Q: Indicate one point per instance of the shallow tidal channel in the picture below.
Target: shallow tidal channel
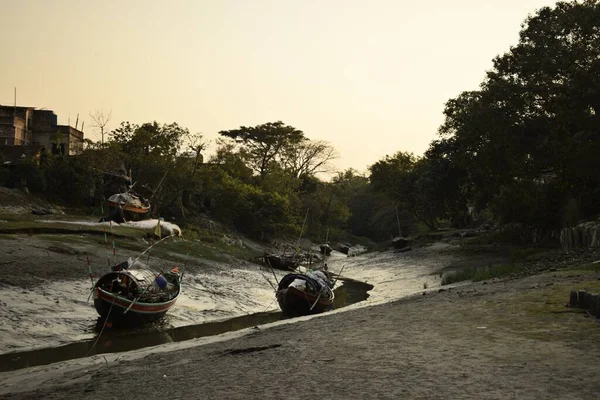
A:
(121, 340)
(210, 305)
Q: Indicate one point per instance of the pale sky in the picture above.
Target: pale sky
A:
(371, 77)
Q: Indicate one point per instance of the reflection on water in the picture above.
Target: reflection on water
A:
(116, 341)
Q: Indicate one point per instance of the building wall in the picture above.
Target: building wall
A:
(25, 126)
(15, 125)
(28, 118)
(43, 139)
(44, 121)
(5, 140)
(7, 126)
(20, 136)
(7, 131)
(73, 139)
(6, 111)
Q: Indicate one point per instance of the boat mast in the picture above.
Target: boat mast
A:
(159, 183)
(398, 221)
(302, 230)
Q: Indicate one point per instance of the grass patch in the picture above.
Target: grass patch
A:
(197, 242)
(217, 251)
(476, 274)
(591, 267)
(543, 315)
(580, 270)
(526, 253)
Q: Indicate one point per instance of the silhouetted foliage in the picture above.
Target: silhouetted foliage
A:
(521, 149)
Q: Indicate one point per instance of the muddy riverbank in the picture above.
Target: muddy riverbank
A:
(510, 337)
(503, 339)
(45, 290)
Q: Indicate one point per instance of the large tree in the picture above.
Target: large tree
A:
(152, 138)
(263, 145)
(536, 114)
(308, 158)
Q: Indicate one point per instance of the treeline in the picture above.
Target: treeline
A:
(522, 149)
(261, 180)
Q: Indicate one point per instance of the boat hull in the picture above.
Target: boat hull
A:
(402, 244)
(125, 213)
(344, 248)
(295, 302)
(325, 249)
(129, 208)
(283, 263)
(120, 310)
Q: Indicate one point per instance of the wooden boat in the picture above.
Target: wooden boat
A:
(304, 294)
(128, 206)
(402, 244)
(344, 248)
(131, 294)
(283, 262)
(325, 249)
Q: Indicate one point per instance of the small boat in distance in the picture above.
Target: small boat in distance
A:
(325, 249)
(131, 294)
(344, 248)
(283, 262)
(400, 242)
(304, 294)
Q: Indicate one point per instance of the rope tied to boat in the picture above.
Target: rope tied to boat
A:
(135, 300)
(326, 288)
(103, 326)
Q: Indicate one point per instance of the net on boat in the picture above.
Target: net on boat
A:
(312, 284)
(132, 281)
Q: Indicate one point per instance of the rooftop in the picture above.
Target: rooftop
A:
(17, 107)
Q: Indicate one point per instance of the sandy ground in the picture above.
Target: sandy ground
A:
(492, 340)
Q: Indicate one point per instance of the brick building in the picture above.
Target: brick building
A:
(26, 126)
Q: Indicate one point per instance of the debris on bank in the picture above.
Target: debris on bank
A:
(147, 224)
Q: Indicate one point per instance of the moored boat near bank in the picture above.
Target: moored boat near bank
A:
(283, 262)
(325, 249)
(303, 294)
(128, 206)
(131, 294)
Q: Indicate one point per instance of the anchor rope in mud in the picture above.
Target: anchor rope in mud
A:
(338, 275)
(267, 307)
(105, 237)
(103, 326)
(122, 212)
(90, 270)
(112, 234)
(267, 279)
(273, 271)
